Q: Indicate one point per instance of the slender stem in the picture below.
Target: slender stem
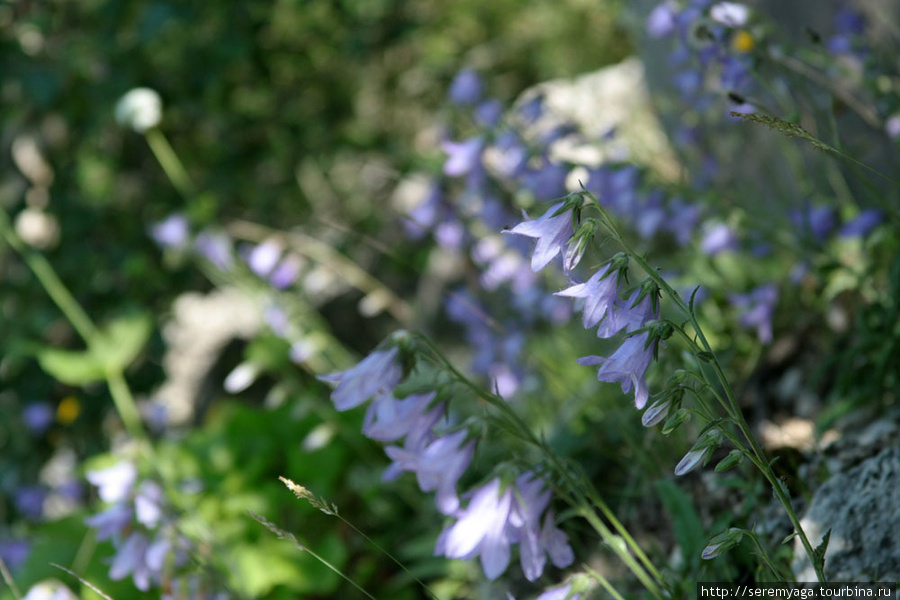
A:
(7, 577)
(125, 404)
(170, 162)
(48, 278)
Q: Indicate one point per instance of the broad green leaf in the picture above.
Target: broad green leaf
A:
(72, 367)
(121, 340)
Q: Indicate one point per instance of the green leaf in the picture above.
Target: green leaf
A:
(685, 523)
(72, 367)
(819, 552)
(734, 458)
(121, 340)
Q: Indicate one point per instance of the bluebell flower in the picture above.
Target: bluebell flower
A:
(552, 232)
(114, 483)
(172, 232)
(438, 465)
(863, 224)
(466, 88)
(480, 530)
(378, 371)
(285, 274)
(462, 157)
(600, 293)
(627, 366)
(389, 419)
(38, 417)
(496, 518)
(536, 540)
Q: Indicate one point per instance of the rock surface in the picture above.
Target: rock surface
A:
(861, 506)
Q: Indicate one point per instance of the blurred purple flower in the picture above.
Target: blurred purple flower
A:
(547, 181)
(682, 221)
(112, 522)
(532, 109)
(815, 221)
(425, 214)
(661, 20)
(113, 483)
(378, 371)
(38, 416)
(732, 14)
(466, 88)
(688, 83)
(172, 232)
(863, 224)
(462, 157)
(263, 257)
(512, 155)
(552, 232)
(892, 126)
(489, 112)
(148, 504)
(29, 501)
(14, 552)
(560, 592)
(627, 365)
(717, 239)
(757, 309)
(277, 320)
(215, 247)
(450, 235)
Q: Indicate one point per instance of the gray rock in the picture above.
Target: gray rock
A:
(862, 508)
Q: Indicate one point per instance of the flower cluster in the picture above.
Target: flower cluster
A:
(605, 309)
(495, 516)
(136, 522)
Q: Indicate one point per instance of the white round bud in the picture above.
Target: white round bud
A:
(140, 109)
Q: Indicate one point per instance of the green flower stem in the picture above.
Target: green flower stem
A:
(81, 322)
(170, 162)
(730, 402)
(581, 495)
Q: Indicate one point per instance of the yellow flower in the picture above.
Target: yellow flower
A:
(68, 410)
(742, 41)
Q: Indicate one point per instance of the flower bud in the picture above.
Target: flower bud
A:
(655, 413)
(140, 109)
(722, 543)
(733, 459)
